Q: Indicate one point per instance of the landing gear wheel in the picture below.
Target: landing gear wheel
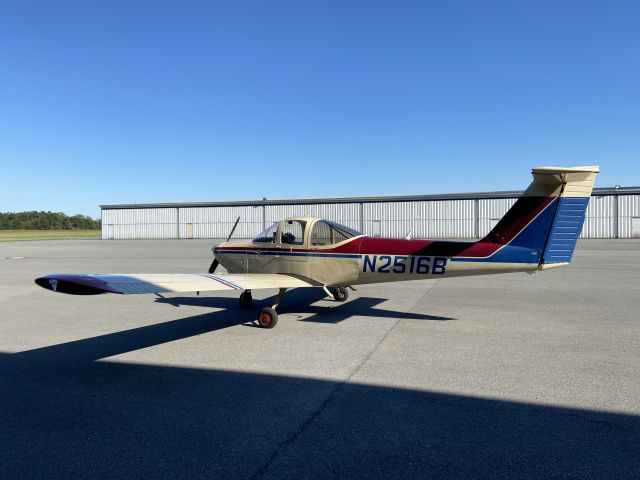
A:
(268, 318)
(340, 294)
(245, 299)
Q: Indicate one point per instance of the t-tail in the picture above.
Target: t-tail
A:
(547, 219)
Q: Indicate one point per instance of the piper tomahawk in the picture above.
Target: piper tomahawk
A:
(538, 232)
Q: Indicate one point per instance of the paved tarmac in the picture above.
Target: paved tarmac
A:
(506, 376)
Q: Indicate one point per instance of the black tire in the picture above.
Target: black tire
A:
(268, 318)
(340, 294)
(246, 300)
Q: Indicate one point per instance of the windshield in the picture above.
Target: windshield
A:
(268, 236)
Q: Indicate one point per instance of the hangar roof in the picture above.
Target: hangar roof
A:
(395, 198)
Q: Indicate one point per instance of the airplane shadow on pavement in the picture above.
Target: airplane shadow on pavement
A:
(302, 301)
(65, 415)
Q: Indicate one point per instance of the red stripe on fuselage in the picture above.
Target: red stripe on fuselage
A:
(517, 218)
(389, 246)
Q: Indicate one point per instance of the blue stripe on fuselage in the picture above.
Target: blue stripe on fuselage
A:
(288, 253)
(507, 254)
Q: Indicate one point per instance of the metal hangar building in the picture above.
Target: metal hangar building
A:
(612, 213)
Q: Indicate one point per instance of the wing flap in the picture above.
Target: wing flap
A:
(132, 284)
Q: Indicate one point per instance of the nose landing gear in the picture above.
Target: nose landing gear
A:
(246, 300)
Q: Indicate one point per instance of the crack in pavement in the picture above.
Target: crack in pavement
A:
(338, 385)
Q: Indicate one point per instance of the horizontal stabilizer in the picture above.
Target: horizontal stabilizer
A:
(559, 170)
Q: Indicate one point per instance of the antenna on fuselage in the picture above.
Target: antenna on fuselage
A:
(408, 235)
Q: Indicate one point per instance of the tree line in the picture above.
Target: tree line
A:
(46, 221)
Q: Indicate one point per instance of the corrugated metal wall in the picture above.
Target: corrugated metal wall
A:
(608, 216)
(490, 211)
(217, 222)
(600, 219)
(143, 223)
(628, 210)
(428, 219)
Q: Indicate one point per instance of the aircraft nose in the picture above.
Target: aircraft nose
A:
(215, 248)
(216, 262)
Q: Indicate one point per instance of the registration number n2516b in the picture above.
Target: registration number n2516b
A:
(404, 264)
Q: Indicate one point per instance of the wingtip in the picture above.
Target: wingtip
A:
(74, 284)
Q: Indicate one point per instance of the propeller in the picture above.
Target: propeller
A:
(215, 263)
(233, 229)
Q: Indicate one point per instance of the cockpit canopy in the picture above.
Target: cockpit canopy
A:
(268, 235)
(295, 232)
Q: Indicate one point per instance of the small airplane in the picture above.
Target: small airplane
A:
(538, 232)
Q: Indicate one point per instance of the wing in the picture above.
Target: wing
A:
(81, 284)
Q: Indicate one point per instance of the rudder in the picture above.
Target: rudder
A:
(576, 187)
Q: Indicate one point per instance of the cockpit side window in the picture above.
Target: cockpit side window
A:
(342, 232)
(327, 233)
(339, 236)
(293, 232)
(321, 234)
(268, 236)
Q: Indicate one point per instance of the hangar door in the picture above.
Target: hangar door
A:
(635, 227)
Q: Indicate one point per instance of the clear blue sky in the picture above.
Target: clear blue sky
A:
(112, 102)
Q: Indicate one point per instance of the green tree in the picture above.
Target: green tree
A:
(46, 221)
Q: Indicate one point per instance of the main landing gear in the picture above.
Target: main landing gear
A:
(340, 294)
(268, 317)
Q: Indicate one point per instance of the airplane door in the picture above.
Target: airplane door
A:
(294, 246)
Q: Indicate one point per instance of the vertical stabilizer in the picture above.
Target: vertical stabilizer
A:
(547, 219)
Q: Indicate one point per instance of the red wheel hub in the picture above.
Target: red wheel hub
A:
(265, 318)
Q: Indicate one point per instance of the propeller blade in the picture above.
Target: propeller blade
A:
(213, 266)
(215, 263)
(233, 229)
